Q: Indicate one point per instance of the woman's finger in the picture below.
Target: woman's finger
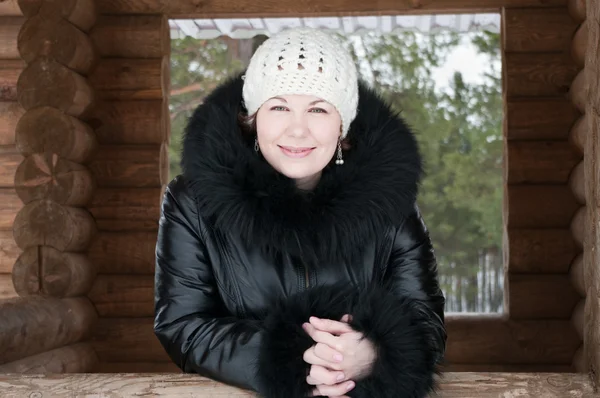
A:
(325, 376)
(320, 336)
(330, 326)
(327, 353)
(335, 390)
(346, 318)
(311, 358)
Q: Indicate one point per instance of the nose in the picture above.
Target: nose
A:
(298, 128)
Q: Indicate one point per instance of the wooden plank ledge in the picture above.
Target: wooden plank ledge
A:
(463, 385)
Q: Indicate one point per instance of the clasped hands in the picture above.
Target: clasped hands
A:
(340, 357)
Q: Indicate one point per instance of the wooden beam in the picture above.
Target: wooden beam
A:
(123, 295)
(130, 253)
(123, 210)
(539, 118)
(136, 36)
(539, 206)
(538, 74)
(33, 325)
(532, 250)
(10, 158)
(131, 166)
(472, 339)
(537, 30)
(74, 358)
(9, 31)
(10, 70)
(305, 8)
(535, 296)
(10, 113)
(534, 162)
(451, 385)
(11, 205)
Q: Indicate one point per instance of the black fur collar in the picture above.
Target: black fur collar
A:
(238, 192)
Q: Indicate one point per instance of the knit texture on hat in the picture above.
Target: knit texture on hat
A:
(303, 61)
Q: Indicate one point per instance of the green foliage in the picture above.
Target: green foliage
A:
(459, 131)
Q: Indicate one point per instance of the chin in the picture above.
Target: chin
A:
(298, 171)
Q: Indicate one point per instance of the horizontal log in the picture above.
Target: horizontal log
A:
(45, 82)
(81, 13)
(46, 271)
(11, 205)
(578, 91)
(577, 182)
(539, 206)
(577, 9)
(540, 250)
(33, 325)
(124, 252)
(10, 70)
(57, 39)
(540, 161)
(47, 223)
(130, 296)
(451, 385)
(75, 358)
(131, 79)
(7, 288)
(47, 176)
(132, 166)
(47, 129)
(579, 45)
(127, 206)
(537, 30)
(579, 227)
(115, 225)
(538, 74)
(137, 367)
(9, 30)
(539, 119)
(535, 296)
(471, 340)
(10, 158)
(577, 275)
(10, 8)
(127, 36)
(247, 8)
(10, 113)
(9, 251)
(130, 122)
(579, 132)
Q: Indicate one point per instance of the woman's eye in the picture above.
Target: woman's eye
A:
(319, 110)
(278, 108)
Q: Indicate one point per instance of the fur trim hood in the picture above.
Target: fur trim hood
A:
(238, 192)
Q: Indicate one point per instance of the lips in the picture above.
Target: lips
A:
(295, 152)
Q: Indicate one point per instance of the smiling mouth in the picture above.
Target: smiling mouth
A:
(295, 152)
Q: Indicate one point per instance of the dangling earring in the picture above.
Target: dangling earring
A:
(339, 153)
(256, 147)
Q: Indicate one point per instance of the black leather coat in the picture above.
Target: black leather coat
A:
(243, 258)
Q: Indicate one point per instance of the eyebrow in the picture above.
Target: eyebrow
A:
(312, 103)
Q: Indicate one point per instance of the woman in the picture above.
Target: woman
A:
(291, 258)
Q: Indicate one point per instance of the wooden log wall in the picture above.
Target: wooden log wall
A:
(132, 124)
(543, 219)
(45, 185)
(579, 134)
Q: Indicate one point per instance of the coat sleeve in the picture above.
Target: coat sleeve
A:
(407, 324)
(190, 321)
(402, 314)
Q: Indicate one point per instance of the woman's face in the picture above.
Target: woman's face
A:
(298, 136)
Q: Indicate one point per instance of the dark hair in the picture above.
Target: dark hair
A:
(247, 124)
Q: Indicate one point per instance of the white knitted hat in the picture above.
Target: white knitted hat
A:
(303, 61)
